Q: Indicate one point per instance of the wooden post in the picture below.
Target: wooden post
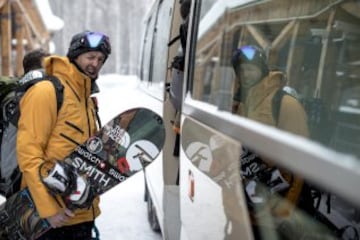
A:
(325, 41)
(6, 40)
(289, 65)
(2, 2)
(20, 41)
(258, 36)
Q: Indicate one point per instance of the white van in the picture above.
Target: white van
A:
(231, 169)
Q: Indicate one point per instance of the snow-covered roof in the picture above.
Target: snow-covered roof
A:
(216, 11)
(52, 23)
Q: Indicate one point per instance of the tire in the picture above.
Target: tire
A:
(152, 218)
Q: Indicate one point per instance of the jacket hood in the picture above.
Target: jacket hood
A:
(269, 84)
(66, 71)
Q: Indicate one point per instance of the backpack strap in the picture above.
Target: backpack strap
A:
(276, 103)
(98, 120)
(59, 88)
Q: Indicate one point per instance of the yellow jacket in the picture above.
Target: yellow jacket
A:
(258, 106)
(47, 135)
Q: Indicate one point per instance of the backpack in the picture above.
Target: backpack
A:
(257, 173)
(277, 98)
(311, 196)
(309, 192)
(12, 90)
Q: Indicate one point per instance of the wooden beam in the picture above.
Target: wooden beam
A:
(6, 40)
(19, 34)
(36, 18)
(325, 40)
(29, 32)
(290, 60)
(33, 19)
(28, 37)
(258, 36)
(283, 35)
(352, 8)
(242, 37)
(2, 3)
(20, 9)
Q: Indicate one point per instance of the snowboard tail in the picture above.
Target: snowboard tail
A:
(124, 146)
(19, 218)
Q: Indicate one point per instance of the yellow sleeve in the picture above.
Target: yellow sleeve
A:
(38, 114)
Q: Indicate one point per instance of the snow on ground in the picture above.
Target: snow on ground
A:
(124, 214)
(117, 93)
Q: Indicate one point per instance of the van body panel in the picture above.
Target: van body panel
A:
(199, 186)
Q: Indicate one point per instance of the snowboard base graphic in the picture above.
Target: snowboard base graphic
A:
(123, 147)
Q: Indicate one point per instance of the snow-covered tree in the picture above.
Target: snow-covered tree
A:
(121, 20)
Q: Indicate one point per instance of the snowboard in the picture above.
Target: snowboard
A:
(124, 146)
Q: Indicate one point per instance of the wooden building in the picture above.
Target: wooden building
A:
(22, 29)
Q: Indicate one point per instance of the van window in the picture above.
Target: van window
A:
(146, 58)
(160, 41)
(286, 205)
(312, 51)
(296, 68)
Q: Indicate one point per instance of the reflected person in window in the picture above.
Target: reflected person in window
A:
(255, 89)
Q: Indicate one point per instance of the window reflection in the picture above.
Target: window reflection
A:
(314, 46)
(297, 70)
(319, 214)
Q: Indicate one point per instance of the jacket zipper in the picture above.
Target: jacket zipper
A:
(86, 109)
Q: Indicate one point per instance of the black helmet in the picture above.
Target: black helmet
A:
(89, 41)
(250, 54)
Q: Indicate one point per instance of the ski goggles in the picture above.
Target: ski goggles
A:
(94, 40)
(249, 54)
(248, 51)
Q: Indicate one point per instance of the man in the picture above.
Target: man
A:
(47, 135)
(255, 91)
(256, 88)
(33, 60)
(32, 70)
(32, 64)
